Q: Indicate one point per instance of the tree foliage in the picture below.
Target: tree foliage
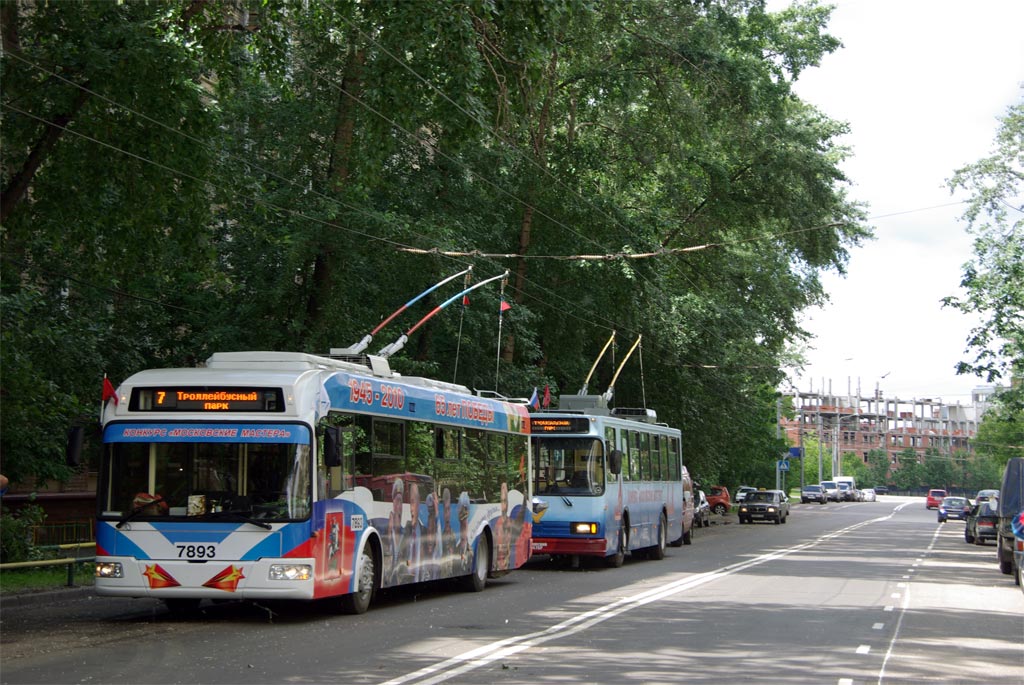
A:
(993, 279)
(185, 177)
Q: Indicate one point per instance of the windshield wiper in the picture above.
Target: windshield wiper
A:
(238, 516)
(138, 510)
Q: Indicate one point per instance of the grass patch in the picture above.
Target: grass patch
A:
(42, 578)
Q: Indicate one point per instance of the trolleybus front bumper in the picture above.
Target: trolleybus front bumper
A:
(593, 547)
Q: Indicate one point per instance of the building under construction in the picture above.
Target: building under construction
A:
(858, 423)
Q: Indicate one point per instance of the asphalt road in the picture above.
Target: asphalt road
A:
(843, 593)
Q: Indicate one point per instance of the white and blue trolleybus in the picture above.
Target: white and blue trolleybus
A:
(265, 475)
(607, 482)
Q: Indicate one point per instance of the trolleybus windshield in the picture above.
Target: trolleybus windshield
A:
(572, 466)
(207, 472)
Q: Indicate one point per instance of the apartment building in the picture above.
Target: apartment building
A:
(858, 423)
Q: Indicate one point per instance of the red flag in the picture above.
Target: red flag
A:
(108, 390)
(505, 306)
(547, 397)
(465, 300)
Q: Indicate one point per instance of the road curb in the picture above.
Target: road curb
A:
(65, 594)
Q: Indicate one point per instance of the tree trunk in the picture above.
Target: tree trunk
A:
(18, 187)
(539, 139)
(338, 173)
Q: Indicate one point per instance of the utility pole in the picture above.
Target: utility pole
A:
(821, 476)
(800, 444)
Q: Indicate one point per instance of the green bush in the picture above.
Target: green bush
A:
(16, 533)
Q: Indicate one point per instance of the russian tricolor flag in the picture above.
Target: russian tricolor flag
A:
(534, 400)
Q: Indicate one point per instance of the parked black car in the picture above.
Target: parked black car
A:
(813, 493)
(881, 490)
(764, 505)
(982, 523)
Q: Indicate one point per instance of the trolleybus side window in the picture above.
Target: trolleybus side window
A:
(645, 456)
(667, 472)
(420, 447)
(388, 448)
(610, 444)
(673, 456)
(634, 442)
(449, 472)
(655, 458)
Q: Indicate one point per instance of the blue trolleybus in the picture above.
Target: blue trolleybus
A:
(284, 475)
(607, 482)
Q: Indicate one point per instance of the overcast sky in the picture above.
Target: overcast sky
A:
(921, 83)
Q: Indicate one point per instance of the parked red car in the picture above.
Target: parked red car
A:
(718, 499)
(934, 499)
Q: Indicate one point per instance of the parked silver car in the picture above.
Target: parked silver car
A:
(813, 493)
(702, 512)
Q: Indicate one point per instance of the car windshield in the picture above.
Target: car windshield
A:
(760, 497)
(813, 488)
(828, 485)
(988, 509)
(954, 502)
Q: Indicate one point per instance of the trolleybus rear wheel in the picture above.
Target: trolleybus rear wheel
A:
(658, 551)
(477, 580)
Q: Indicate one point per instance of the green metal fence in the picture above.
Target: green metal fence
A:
(65, 533)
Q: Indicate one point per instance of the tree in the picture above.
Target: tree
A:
(183, 178)
(908, 473)
(1000, 437)
(993, 280)
(877, 472)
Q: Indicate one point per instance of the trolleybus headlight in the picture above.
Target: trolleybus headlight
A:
(584, 528)
(291, 572)
(109, 569)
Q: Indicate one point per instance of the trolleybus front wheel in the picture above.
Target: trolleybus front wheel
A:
(359, 601)
(616, 560)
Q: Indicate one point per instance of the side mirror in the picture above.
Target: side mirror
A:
(73, 451)
(333, 443)
(615, 462)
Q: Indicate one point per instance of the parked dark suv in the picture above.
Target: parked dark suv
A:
(764, 505)
(1010, 504)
